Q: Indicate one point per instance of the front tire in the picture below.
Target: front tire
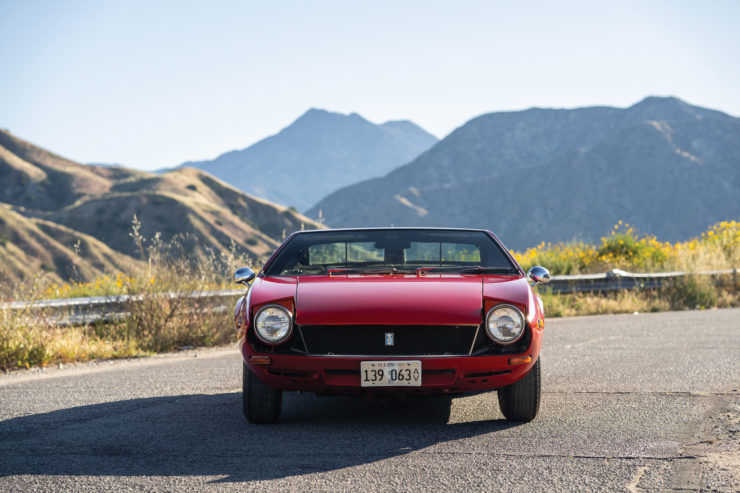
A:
(520, 401)
(260, 403)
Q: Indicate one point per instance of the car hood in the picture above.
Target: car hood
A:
(377, 300)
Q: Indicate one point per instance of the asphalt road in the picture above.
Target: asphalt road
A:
(631, 403)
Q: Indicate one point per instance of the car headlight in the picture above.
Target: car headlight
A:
(273, 324)
(504, 324)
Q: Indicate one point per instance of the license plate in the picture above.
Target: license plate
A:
(390, 373)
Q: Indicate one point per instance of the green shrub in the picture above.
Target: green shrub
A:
(692, 292)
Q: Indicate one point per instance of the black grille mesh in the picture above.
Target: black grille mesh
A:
(409, 340)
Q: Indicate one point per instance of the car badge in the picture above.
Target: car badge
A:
(389, 339)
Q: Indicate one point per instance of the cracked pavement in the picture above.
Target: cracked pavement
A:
(646, 402)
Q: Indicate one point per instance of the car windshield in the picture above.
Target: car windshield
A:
(390, 251)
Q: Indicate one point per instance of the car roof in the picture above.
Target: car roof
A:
(391, 228)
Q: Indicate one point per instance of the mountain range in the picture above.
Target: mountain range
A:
(318, 153)
(664, 166)
(68, 220)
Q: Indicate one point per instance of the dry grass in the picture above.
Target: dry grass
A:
(568, 305)
(161, 323)
(716, 248)
(28, 340)
(156, 323)
(689, 293)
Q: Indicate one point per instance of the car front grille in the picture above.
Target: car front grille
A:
(407, 340)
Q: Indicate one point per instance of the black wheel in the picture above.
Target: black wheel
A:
(520, 401)
(261, 404)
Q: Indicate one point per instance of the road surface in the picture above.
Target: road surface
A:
(630, 403)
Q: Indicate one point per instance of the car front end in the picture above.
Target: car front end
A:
(410, 328)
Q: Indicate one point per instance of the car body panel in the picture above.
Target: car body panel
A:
(392, 300)
(268, 289)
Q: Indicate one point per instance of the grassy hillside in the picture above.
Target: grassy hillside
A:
(41, 180)
(34, 247)
(51, 203)
(185, 202)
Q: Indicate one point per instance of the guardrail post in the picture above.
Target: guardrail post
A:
(618, 276)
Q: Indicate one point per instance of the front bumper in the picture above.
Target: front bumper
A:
(341, 374)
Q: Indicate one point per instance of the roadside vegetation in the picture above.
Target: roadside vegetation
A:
(718, 248)
(29, 337)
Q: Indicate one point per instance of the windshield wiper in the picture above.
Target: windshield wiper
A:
(468, 269)
(369, 270)
(304, 270)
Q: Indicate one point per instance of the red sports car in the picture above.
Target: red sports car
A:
(380, 311)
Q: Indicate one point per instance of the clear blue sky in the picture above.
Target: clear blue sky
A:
(155, 83)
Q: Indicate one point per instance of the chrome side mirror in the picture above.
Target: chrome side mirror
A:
(243, 275)
(538, 275)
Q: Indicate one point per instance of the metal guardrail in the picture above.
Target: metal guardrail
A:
(617, 280)
(81, 311)
(76, 311)
(120, 300)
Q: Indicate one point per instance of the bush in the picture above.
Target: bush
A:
(692, 292)
(624, 248)
(157, 321)
(21, 347)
